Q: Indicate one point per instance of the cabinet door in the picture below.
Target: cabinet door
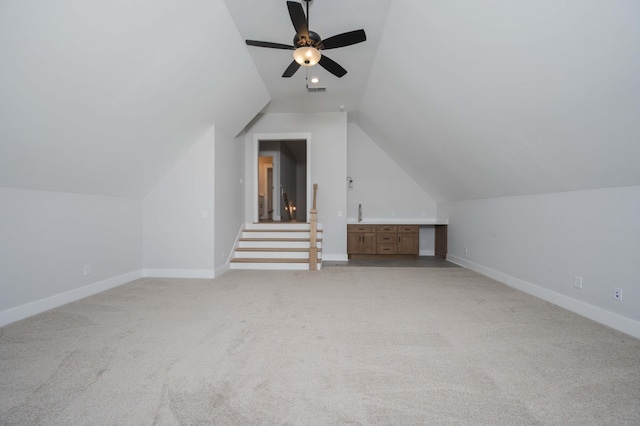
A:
(408, 239)
(353, 242)
(361, 243)
(368, 243)
(408, 244)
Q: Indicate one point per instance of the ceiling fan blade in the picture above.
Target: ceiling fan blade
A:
(332, 66)
(344, 39)
(298, 19)
(270, 44)
(291, 69)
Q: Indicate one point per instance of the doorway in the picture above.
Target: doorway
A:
(282, 173)
(265, 187)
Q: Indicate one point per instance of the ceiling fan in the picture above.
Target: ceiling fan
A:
(308, 44)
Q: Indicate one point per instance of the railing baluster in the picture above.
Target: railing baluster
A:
(313, 244)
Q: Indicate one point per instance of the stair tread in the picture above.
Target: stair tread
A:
(274, 249)
(279, 230)
(269, 260)
(279, 239)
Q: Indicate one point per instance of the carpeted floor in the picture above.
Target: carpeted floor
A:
(370, 346)
(420, 262)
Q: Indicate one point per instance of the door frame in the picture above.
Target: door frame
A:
(257, 137)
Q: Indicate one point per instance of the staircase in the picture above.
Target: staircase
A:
(280, 246)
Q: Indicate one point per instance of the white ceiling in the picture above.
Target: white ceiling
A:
(476, 99)
(472, 98)
(269, 20)
(509, 97)
(103, 97)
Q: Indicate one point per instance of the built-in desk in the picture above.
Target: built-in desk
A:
(392, 238)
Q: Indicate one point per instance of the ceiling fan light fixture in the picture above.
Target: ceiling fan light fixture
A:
(307, 56)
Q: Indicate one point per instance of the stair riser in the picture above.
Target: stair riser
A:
(275, 234)
(275, 244)
(272, 255)
(273, 266)
(301, 226)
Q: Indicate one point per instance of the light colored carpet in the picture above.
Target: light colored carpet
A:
(371, 346)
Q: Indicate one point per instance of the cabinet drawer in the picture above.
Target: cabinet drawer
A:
(408, 229)
(361, 228)
(386, 228)
(387, 238)
(387, 249)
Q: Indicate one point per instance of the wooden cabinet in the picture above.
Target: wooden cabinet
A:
(361, 239)
(409, 239)
(386, 239)
(441, 239)
(383, 241)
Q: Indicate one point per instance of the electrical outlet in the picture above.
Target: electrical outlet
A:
(617, 293)
(577, 282)
(466, 250)
(87, 270)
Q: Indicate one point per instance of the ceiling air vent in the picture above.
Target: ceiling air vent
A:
(316, 89)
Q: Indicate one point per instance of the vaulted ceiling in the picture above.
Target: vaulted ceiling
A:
(472, 98)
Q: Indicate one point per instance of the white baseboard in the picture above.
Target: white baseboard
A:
(29, 309)
(335, 257)
(179, 273)
(587, 310)
(219, 271)
(427, 253)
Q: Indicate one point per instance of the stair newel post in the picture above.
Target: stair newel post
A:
(313, 244)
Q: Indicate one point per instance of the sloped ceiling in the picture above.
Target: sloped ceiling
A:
(471, 98)
(478, 99)
(269, 20)
(103, 97)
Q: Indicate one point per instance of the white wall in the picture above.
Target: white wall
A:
(328, 169)
(178, 216)
(383, 189)
(380, 185)
(46, 240)
(229, 196)
(539, 243)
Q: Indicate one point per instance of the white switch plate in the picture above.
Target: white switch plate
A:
(577, 282)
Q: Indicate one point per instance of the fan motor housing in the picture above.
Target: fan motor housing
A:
(314, 40)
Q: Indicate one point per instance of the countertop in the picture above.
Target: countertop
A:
(398, 221)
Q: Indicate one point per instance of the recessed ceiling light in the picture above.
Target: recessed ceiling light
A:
(314, 80)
